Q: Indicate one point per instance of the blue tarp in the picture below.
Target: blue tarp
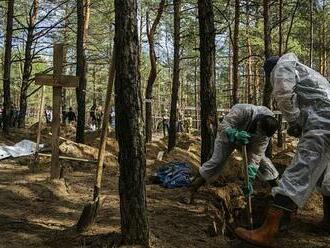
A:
(174, 175)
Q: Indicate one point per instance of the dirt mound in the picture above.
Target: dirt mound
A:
(184, 140)
(93, 139)
(70, 148)
(66, 131)
(178, 154)
(154, 148)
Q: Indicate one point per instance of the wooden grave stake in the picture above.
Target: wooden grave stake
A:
(57, 81)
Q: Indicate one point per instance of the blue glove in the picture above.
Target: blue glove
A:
(252, 173)
(237, 136)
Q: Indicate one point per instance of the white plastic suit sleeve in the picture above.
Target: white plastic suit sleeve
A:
(235, 116)
(284, 81)
(257, 150)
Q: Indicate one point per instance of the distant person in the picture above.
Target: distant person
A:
(14, 115)
(99, 115)
(166, 124)
(113, 118)
(92, 117)
(71, 116)
(64, 112)
(188, 124)
(48, 115)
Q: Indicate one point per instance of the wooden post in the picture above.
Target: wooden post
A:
(58, 81)
(57, 99)
(41, 110)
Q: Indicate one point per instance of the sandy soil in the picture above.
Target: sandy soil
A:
(35, 212)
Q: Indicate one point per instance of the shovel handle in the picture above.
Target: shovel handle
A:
(246, 183)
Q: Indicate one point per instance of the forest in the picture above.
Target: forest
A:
(138, 123)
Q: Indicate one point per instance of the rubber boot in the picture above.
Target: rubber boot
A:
(264, 235)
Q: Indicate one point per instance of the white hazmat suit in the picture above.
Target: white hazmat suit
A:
(241, 117)
(303, 96)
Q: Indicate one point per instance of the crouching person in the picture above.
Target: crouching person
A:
(248, 125)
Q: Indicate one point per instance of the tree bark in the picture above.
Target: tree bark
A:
(27, 67)
(153, 70)
(207, 77)
(249, 62)
(267, 43)
(176, 75)
(280, 33)
(129, 127)
(235, 53)
(7, 66)
(311, 33)
(267, 52)
(83, 7)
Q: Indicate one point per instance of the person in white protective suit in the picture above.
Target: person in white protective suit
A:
(245, 124)
(303, 96)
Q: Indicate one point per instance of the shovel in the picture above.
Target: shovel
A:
(246, 183)
(90, 210)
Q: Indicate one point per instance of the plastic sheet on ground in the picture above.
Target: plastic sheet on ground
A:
(174, 175)
(20, 149)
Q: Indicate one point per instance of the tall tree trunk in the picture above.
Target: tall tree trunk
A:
(323, 41)
(153, 70)
(129, 126)
(235, 53)
(230, 70)
(311, 33)
(7, 66)
(83, 9)
(196, 92)
(267, 43)
(27, 67)
(207, 78)
(176, 75)
(65, 41)
(267, 51)
(280, 33)
(249, 62)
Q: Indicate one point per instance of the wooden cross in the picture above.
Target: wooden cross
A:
(57, 81)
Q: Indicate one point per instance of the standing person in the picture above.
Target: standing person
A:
(92, 115)
(99, 115)
(64, 112)
(14, 114)
(245, 124)
(71, 116)
(48, 114)
(303, 96)
(113, 118)
(166, 124)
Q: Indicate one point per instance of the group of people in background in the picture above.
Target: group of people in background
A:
(13, 113)
(68, 117)
(183, 124)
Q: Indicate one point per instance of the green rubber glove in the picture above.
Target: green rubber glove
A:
(243, 137)
(252, 173)
(231, 134)
(237, 136)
